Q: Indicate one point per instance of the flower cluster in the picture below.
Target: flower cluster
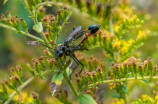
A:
(62, 96)
(89, 77)
(52, 23)
(146, 99)
(15, 79)
(33, 3)
(128, 24)
(13, 21)
(134, 67)
(118, 101)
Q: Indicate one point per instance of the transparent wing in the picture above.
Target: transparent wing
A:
(73, 33)
(32, 43)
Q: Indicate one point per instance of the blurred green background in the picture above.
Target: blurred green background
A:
(14, 50)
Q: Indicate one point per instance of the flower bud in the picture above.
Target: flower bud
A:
(35, 97)
(17, 78)
(4, 90)
(141, 70)
(53, 62)
(37, 66)
(19, 72)
(8, 14)
(8, 83)
(41, 13)
(15, 22)
(47, 34)
(23, 24)
(58, 21)
(135, 68)
(65, 13)
(20, 100)
(30, 69)
(150, 66)
(99, 73)
(3, 18)
(48, 53)
(13, 71)
(155, 70)
(42, 62)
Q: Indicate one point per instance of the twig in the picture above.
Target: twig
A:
(26, 83)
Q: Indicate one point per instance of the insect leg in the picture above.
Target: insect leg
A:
(75, 67)
(80, 35)
(79, 62)
(75, 45)
(83, 39)
(62, 63)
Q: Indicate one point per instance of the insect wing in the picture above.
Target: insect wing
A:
(32, 43)
(73, 33)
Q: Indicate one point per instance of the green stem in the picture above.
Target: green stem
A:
(21, 32)
(121, 80)
(124, 94)
(26, 83)
(111, 27)
(70, 84)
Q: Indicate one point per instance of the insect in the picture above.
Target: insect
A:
(68, 48)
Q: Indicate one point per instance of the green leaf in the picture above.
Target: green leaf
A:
(146, 81)
(125, 89)
(86, 99)
(38, 27)
(116, 95)
(4, 2)
(56, 82)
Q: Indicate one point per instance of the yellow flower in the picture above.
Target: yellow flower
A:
(156, 97)
(131, 41)
(145, 97)
(117, 44)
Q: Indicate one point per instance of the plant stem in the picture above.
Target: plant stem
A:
(26, 83)
(70, 84)
(121, 80)
(21, 32)
(124, 94)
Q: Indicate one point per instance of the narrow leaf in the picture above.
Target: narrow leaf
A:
(56, 82)
(125, 89)
(146, 81)
(38, 27)
(4, 2)
(116, 95)
(86, 99)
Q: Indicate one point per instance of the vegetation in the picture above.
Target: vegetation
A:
(122, 33)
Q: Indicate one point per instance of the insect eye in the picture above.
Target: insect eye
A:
(60, 54)
(63, 48)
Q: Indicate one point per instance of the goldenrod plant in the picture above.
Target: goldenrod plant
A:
(122, 33)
